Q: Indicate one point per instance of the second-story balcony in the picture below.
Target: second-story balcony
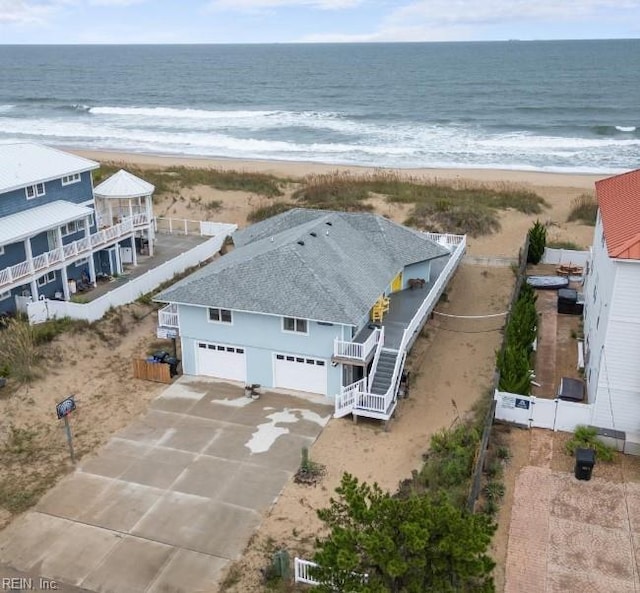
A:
(168, 316)
(39, 264)
(360, 350)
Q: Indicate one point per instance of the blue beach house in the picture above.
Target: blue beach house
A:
(55, 234)
(314, 301)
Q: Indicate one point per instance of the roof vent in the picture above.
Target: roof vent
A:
(328, 223)
(300, 242)
(313, 234)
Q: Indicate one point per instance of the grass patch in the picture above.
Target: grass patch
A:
(586, 437)
(564, 245)
(264, 212)
(584, 209)
(170, 179)
(453, 207)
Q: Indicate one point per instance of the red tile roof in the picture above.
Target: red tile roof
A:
(619, 202)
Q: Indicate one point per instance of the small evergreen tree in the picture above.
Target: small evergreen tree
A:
(513, 364)
(537, 242)
(378, 543)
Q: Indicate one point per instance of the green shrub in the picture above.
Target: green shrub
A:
(537, 242)
(564, 245)
(494, 490)
(586, 437)
(513, 364)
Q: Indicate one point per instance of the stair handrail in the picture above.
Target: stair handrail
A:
(397, 369)
(376, 358)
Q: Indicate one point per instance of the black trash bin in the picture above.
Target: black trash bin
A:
(173, 363)
(160, 356)
(585, 460)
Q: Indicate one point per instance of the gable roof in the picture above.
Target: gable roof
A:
(619, 202)
(123, 185)
(312, 264)
(28, 163)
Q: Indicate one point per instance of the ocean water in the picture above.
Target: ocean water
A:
(569, 106)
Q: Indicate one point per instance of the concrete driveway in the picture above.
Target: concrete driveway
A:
(172, 498)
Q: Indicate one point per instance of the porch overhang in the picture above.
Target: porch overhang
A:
(28, 223)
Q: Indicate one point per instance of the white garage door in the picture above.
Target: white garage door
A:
(218, 360)
(300, 373)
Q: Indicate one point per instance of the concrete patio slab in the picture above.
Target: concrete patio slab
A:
(202, 478)
(121, 506)
(199, 524)
(73, 557)
(173, 497)
(254, 486)
(131, 566)
(27, 539)
(115, 458)
(160, 468)
(186, 571)
(79, 489)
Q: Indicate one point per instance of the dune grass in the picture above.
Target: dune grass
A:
(584, 209)
(441, 206)
(171, 178)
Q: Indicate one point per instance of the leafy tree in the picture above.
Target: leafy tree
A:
(537, 242)
(378, 543)
(513, 364)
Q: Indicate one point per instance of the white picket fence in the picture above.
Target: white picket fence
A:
(565, 257)
(301, 572)
(40, 311)
(538, 412)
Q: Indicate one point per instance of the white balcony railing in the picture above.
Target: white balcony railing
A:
(356, 350)
(69, 251)
(168, 316)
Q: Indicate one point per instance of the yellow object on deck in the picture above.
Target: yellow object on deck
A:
(396, 283)
(380, 307)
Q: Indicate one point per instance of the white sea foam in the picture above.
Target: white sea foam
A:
(626, 128)
(320, 137)
(5, 108)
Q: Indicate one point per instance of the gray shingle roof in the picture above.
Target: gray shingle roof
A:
(334, 276)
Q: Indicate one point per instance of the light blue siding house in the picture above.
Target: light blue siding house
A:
(53, 235)
(291, 306)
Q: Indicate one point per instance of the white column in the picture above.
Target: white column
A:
(28, 253)
(118, 261)
(92, 270)
(34, 290)
(59, 237)
(130, 208)
(87, 226)
(110, 214)
(133, 246)
(65, 283)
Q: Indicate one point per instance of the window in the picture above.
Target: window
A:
(220, 315)
(5, 295)
(82, 262)
(292, 324)
(47, 278)
(35, 191)
(71, 227)
(69, 179)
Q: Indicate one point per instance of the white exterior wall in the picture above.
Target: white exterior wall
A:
(618, 383)
(261, 336)
(598, 292)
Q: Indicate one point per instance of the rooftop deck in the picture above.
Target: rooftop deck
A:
(402, 308)
(166, 247)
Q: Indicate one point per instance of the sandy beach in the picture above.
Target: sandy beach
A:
(558, 189)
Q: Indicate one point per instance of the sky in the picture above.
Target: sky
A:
(294, 21)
